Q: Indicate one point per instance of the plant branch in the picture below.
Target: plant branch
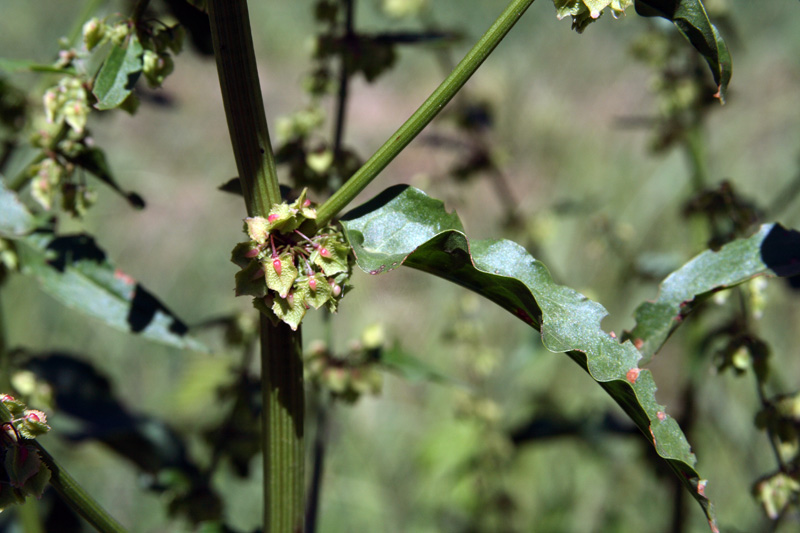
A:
(244, 108)
(281, 348)
(76, 497)
(282, 418)
(344, 79)
(425, 114)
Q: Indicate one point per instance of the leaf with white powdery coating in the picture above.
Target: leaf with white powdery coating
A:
(405, 226)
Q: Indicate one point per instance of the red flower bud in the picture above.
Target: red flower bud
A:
(272, 218)
(312, 283)
(324, 252)
(276, 264)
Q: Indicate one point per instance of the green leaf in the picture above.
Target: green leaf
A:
(93, 160)
(119, 73)
(773, 251)
(74, 270)
(691, 19)
(15, 219)
(383, 235)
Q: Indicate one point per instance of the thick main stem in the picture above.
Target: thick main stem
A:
(244, 108)
(281, 348)
(425, 114)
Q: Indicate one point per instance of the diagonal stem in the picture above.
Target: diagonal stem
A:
(425, 114)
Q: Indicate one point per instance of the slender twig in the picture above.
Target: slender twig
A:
(425, 114)
(76, 497)
(344, 78)
(324, 406)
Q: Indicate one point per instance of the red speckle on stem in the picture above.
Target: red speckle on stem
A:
(701, 487)
(661, 415)
(713, 525)
(632, 375)
(277, 265)
(652, 435)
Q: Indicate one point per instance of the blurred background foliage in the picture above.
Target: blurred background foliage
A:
(515, 438)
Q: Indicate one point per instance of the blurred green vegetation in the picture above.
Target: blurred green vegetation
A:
(398, 462)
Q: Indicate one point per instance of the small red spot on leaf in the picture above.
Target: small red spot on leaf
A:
(612, 334)
(272, 218)
(638, 343)
(523, 315)
(661, 415)
(123, 277)
(632, 375)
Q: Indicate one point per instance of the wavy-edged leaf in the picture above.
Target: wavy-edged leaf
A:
(405, 226)
(75, 271)
(119, 73)
(691, 19)
(772, 251)
(15, 219)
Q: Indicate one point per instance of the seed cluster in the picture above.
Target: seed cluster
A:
(288, 266)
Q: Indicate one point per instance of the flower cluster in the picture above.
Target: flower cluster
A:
(353, 375)
(584, 12)
(22, 472)
(288, 266)
(157, 41)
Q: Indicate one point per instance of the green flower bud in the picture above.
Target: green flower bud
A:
(94, 31)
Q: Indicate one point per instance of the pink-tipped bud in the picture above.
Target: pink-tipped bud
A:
(272, 218)
(252, 252)
(7, 398)
(33, 417)
(258, 274)
(276, 264)
(335, 288)
(312, 284)
(307, 203)
(290, 299)
(324, 252)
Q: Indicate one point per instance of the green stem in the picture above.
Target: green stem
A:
(694, 146)
(76, 497)
(425, 114)
(244, 109)
(282, 418)
(281, 348)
